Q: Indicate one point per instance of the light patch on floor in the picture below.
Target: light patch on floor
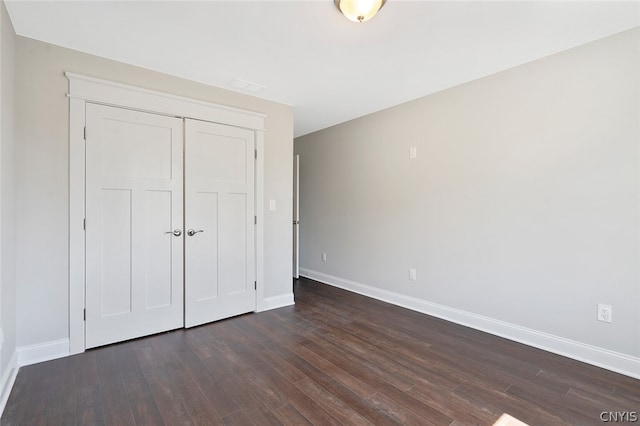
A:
(507, 420)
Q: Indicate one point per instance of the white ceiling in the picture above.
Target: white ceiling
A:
(309, 56)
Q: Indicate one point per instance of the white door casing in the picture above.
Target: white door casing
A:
(134, 181)
(296, 216)
(219, 221)
(84, 90)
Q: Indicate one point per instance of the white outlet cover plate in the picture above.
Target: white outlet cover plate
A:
(605, 313)
(412, 274)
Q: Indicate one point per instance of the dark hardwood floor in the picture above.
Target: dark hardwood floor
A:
(333, 358)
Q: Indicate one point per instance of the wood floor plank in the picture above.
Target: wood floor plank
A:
(576, 380)
(289, 416)
(400, 412)
(451, 405)
(241, 391)
(260, 334)
(538, 396)
(499, 402)
(338, 387)
(333, 358)
(592, 404)
(168, 398)
(362, 368)
(238, 418)
(345, 377)
(210, 388)
(336, 407)
(405, 372)
(144, 409)
(277, 390)
(117, 410)
(89, 407)
(136, 387)
(406, 400)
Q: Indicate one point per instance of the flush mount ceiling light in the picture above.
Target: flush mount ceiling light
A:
(359, 10)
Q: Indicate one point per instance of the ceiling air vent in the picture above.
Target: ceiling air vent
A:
(247, 85)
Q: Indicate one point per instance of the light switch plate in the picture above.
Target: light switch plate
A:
(272, 205)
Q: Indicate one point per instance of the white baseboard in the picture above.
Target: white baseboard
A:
(41, 352)
(7, 381)
(614, 361)
(275, 302)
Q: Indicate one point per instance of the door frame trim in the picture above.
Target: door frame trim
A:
(83, 89)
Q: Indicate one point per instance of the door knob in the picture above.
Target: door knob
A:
(176, 232)
(192, 232)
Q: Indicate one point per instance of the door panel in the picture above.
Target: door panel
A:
(157, 219)
(219, 201)
(134, 177)
(218, 158)
(233, 261)
(149, 156)
(115, 254)
(203, 250)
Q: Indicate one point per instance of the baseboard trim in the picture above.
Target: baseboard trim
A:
(276, 302)
(610, 360)
(41, 352)
(7, 381)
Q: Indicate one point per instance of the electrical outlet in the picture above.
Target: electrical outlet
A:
(412, 274)
(605, 313)
(413, 152)
(324, 256)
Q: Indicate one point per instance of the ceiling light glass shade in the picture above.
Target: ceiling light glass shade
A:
(359, 10)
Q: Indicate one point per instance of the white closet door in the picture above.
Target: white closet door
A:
(219, 222)
(134, 265)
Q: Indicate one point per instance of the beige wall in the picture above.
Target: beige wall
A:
(7, 193)
(43, 177)
(522, 205)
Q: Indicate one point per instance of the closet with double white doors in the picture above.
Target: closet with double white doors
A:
(169, 226)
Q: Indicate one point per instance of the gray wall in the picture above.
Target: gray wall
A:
(522, 204)
(7, 190)
(42, 121)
